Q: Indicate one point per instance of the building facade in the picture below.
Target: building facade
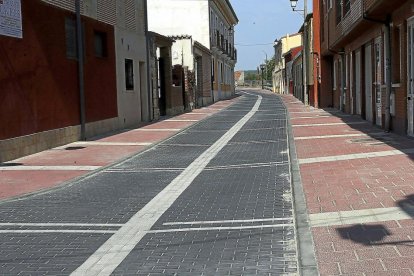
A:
(368, 46)
(41, 103)
(211, 24)
(282, 46)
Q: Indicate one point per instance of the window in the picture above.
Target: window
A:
(346, 71)
(346, 7)
(338, 11)
(71, 41)
(213, 78)
(335, 66)
(101, 49)
(396, 55)
(329, 4)
(129, 74)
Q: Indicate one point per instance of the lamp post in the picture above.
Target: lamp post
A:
(293, 4)
(262, 67)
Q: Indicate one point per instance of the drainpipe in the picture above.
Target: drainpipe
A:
(388, 74)
(343, 79)
(149, 84)
(81, 62)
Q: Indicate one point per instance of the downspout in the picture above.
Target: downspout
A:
(81, 62)
(388, 74)
(149, 84)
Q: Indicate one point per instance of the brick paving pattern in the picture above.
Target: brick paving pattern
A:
(368, 248)
(235, 217)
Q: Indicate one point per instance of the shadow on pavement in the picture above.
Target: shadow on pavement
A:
(376, 234)
(370, 235)
(407, 205)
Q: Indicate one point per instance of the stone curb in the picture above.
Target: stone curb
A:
(306, 248)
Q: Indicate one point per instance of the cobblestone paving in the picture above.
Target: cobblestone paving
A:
(235, 218)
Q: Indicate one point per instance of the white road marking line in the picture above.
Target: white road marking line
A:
(337, 136)
(52, 224)
(329, 124)
(355, 156)
(225, 221)
(97, 143)
(221, 228)
(242, 166)
(47, 231)
(108, 256)
(50, 168)
(357, 217)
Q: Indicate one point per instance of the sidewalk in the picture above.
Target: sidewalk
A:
(54, 167)
(359, 187)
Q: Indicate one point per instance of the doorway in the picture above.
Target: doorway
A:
(410, 84)
(358, 82)
(378, 81)
(368, 83)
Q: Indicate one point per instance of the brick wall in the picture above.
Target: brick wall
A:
(39, 84)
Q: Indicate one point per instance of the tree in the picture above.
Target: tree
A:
(270, 66)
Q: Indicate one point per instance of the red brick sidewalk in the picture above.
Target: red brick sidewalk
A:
(54, 167)
(359, 187)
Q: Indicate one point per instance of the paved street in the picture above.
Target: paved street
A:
(211, 193)
(214, 199)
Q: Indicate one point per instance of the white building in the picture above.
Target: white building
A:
(210, 23)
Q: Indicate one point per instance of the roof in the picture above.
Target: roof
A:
(308, 18)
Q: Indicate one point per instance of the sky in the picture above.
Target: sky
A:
(260, 23)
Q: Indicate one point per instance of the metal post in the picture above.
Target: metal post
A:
(304, 56)
(79, 41)
(388, 74)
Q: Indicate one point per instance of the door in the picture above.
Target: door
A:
(358, 82)
(368, 83)
(162, 101)
(378, 81)
(410, 85)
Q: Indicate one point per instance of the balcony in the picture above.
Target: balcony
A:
(379, 8)
(352, 22)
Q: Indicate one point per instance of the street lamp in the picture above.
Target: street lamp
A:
(293, 4)
(262, 67)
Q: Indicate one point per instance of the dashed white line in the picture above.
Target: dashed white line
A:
(226, 221)
(222, 228)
